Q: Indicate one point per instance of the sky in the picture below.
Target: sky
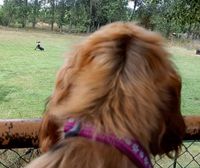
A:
(1, 2)
(130, 4)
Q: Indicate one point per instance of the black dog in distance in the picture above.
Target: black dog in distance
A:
(39, 46)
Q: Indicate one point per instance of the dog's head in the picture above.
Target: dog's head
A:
(121, 79)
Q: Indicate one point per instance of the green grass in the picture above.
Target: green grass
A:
(27, 76)
(189, 68)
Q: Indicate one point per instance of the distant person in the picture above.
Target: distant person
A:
(39, 46)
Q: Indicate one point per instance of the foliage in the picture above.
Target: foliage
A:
(34, 7)
(8, 11)
(177, 17)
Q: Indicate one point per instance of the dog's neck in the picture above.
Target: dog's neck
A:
(130, 147)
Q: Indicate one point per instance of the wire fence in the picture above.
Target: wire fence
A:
(188, 158)
(21, 155)
(17, 158)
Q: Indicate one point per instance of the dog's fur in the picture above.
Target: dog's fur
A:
(121, 80)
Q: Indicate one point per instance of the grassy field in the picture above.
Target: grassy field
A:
(27, 76)
(189, 68)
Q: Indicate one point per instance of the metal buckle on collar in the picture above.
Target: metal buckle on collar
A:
(74, 131)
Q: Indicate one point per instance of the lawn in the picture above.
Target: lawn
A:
(188, 65)
(27, 76)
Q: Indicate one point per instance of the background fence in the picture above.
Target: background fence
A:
(19, 145)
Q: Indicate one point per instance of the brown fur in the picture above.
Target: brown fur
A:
(121, 80)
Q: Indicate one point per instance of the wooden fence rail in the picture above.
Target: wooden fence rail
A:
(192, 127)
(23, 133)
(19, 133)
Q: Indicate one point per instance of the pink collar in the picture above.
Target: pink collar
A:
(131, 148)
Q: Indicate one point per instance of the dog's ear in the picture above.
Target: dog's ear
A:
(49, 129)
(171, 127)
(48, 134)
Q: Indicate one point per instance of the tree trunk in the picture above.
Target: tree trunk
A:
(25, 14)
(35, 13)
(133, 11)
(52, 14)
(189, 30)
(91, 17)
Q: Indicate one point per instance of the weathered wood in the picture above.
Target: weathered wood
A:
(18, 133)
(192, 127)
(23, 133)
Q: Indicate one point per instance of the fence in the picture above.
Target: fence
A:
(19, 144)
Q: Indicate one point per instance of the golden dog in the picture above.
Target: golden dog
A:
(119, 80)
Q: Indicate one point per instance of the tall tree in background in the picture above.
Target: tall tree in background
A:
(35, 6)
(187, 15)
(109, 11)
(166, 16)
(52, 12)
(60, 13)
(8, 12)
(21, 12)
(137, 3)
(145, 13)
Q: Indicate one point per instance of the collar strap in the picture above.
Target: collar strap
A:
(131, 148)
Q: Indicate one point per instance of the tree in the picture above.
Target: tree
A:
(189, 20)
(166, 16)
(21, 11)
(60, 13)
(34, 7)
(52, 12)
(8, 12)
(145, 13)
